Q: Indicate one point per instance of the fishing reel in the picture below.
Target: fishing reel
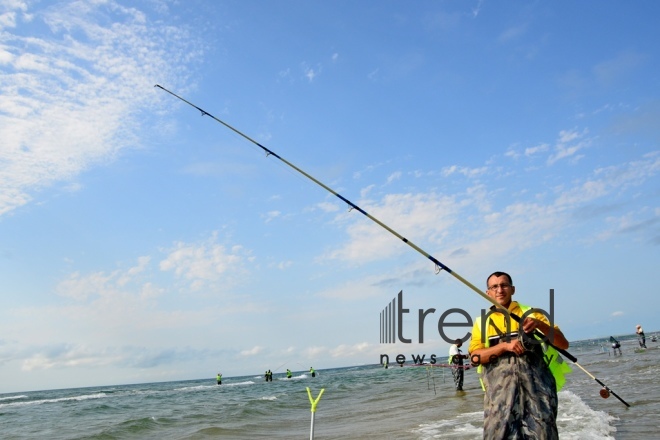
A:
(528, 341)
(604, 393)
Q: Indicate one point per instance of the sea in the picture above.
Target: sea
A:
(360, 402)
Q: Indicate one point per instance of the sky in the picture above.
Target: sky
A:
(141, 242)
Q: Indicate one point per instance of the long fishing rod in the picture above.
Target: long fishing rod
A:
(606, 390)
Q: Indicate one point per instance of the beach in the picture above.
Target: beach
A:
(360, 402)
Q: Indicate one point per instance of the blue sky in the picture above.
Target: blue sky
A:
(140, 242)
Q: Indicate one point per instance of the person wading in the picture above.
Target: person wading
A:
(455, 360)
(520, 398)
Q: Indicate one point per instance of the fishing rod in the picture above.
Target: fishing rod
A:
(276, 369)
(605, 392)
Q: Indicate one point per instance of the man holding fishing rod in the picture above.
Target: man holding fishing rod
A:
(519, 379)
(500, 290)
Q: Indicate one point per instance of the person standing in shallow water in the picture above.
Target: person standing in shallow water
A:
(641, 338)
(520, 400)
(456, 362)
(219, 378)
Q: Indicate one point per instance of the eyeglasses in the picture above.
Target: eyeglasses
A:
(502, 286)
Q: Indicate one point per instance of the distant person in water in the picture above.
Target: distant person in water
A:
(455, 359)
(288, 373)
(219, 378)
(615, 345)
(311, 370)
(641, 338)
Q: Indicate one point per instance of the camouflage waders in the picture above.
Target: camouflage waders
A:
(521, 398)
(457, 371)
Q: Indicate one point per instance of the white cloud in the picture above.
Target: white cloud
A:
(310, 73)
(12, 8)
(535, 150)
(205, 262)
(359, 350)
(252, 351)
(607, 179)
(65, 356)
(82, 287)
(477, 9)
(315, 352)
(328, 207)
(568, 144)
(272, 215)
(394, 177)
(282, 265)
(70, 96)
(519, 224)
(343, 350)
(467, 172)
(640, 221)
(143, 262)
(114, 284)
(364, 192)
(422, 215)
(513, 154)
(79, 356)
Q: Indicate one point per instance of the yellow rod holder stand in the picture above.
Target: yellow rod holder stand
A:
(314, 403)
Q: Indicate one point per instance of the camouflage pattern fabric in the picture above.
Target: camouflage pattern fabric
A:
(457, 371)
(521, 398)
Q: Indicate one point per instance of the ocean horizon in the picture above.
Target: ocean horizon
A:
(366, 401)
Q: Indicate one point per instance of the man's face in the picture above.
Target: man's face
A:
(500, 290)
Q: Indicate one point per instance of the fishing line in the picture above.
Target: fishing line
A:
(438, 265)
(276, 369)
(429, 375)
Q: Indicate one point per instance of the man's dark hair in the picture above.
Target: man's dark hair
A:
(499, 274)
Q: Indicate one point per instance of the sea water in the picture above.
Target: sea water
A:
(363, 402)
